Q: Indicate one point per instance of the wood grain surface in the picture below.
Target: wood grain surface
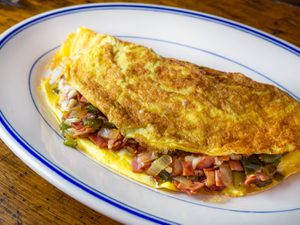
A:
(22, 191)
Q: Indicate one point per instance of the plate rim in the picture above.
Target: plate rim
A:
(14, 30)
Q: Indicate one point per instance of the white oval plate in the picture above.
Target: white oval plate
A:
(28, 128)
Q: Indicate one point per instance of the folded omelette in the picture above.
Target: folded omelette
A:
(169, 123)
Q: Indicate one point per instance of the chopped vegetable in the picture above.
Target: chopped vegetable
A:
(278, 176)
(92, 109)
(226, 174)
(55, 90)
(71, 104)
(63, 127)
(251, 164)
(189, 172)
(269, 169)
(238, 178)
(165, 176)
(235, 157)
(142, 161)
(266, 158)
(260, 183)
(109, 133)
(69, 121)
(159, 164)
(72, 93)
(71, 142)
(196, 161)
(108, 125)
(94, 123)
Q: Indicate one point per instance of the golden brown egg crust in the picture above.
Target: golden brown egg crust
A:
(168, 104)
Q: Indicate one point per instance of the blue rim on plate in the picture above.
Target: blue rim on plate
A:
(19, 28)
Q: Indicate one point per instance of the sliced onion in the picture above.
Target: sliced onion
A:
(71, 104)
(169, 169)
(226, 174)
(159, 164)
(218, 162)
(145, 157)
(72, 93)
(196, 161)
(69, 121)
(186, 182)
(109, 133)
(235, 157)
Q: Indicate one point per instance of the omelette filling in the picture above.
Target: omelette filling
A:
(190, 173)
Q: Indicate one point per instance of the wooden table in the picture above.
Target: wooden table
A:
(22, 198)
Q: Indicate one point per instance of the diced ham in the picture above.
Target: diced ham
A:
(250, 179)
(205, 162)
(137, 166)
(97, 140)
(114, 144)
(117, 142)
(262, 176)
(83, 132)
(189, 187)
(176, 167)
(210, 177)
(220, 159)
(223, 158)
(256, 177)
(218, 177)
(142, 161)
(83, 100)
(235, 165)
(78, 96)
(77, 125)
(187, 168)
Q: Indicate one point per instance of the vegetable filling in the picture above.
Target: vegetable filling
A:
(189, 172)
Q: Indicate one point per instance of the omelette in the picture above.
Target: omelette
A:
(171, 124)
